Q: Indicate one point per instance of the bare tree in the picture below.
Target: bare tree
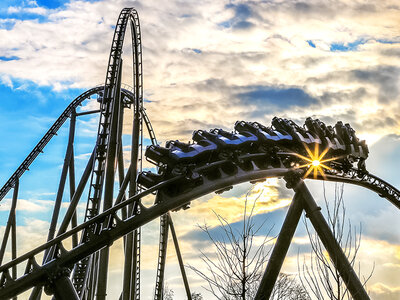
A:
(236, 271)
(287, 287)
(196, 296)
(319, 276)
(168, 294)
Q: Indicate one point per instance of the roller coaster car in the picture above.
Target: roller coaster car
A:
(354, 147)
(177, 152)
(157, 154)
(298, 133)
(327, 135)
(265, 134)
(149, 179)
(361, 148)
(225, 139)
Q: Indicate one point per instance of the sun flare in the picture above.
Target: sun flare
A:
(315, 161)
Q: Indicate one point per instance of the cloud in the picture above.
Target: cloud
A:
(281, 97)
(25, 205)
(242, 13)
(265, 197)
(386, 78)
(381, 291)
(265, 61)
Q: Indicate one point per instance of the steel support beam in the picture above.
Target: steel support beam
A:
(14, 238)
(76, 197)
(281, 248)
(96, 111)
(71, 173)
(64, 289)
(63, 178)
(10, 221)
(179, 256)
(162, 257)
(109, 184)
(11, 226)
(339, 259)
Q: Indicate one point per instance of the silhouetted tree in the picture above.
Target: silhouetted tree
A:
(168, 294)
(196, 296)
(238, 268)
(288, 288)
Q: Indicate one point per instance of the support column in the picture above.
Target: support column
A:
(64, 290)
(162, 257)
(336, 253)
(10, 221)
(281, 248)
(101, 289)
(179, 256)
(71, 173)
(61, 185)
(14, 248)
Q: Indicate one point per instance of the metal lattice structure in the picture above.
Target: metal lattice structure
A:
(213, 162)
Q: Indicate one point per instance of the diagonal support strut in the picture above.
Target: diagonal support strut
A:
(304, 200)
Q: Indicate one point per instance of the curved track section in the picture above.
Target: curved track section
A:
(24, 166)
(109, 131)
(47, 137)
(369, 181)
(102, 178)
(316, 150)
(173, 194)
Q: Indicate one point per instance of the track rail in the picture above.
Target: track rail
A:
(173, 194)
(369, 181)
(109, 108)
(105, 148)
(284, 144)
(24, 166)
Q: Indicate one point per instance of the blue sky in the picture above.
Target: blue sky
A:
(207, 66)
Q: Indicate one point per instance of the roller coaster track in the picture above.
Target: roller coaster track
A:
(214, 162)
(24, 166)
(174, 193)
(46, 138)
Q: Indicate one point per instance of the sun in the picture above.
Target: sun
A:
(315, 161)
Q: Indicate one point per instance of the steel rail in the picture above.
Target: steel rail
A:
(24, 166)
(131, 275)
(105, 235)
(229, 175)
(253, 175)
(368, 181)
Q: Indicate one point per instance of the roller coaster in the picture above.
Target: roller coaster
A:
(213, 162)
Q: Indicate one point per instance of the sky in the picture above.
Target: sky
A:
(206, 65)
